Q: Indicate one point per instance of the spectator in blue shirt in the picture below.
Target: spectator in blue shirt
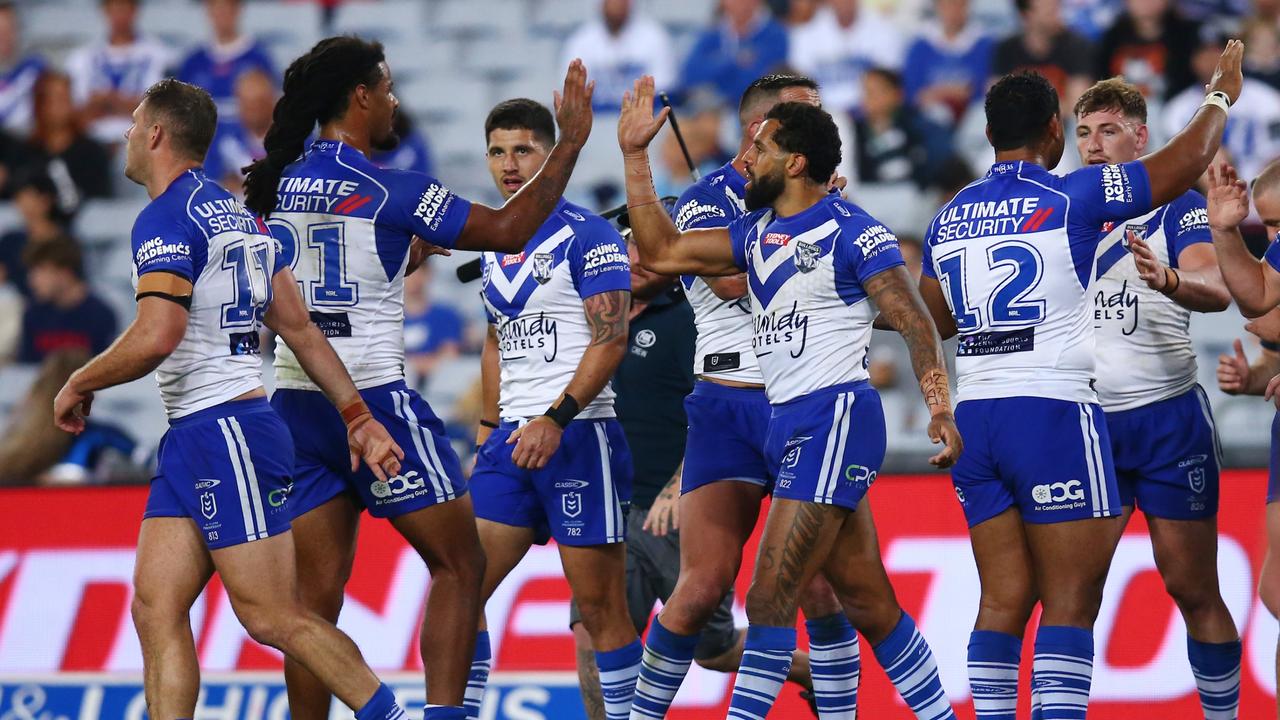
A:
(64, 314)
(238, 141)
(216, 66)
(433, 332)
(411, 153)
(745, 44)
(18, 73)
(948, 64)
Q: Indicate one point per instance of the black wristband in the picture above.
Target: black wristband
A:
(565, 412)
(488, 424)
(1166, 291)
(1269, 345)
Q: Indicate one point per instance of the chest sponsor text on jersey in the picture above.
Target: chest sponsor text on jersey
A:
(306, 194)
(1120, 307)
(786, 328)
(991, 217)
(520, 336)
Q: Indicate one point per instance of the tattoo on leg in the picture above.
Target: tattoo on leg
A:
(589, 685)
(795, 553)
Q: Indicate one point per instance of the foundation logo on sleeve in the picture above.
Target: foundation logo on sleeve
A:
(875, 240)
(603, 257)
(694, 211)
(1115, 184)
(433, 204)
(157, 250)
(542, 267)
(1193, 219)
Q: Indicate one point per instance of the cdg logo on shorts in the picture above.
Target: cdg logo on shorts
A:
(1058, 492)
(398, 485)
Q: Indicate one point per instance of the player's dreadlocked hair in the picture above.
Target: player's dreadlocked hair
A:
(317, 89)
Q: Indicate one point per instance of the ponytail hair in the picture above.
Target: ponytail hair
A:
(317, 89)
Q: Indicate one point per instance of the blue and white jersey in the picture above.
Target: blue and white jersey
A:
(216, 68)
(1144, 338)
(198, 231)
(723, 349)
(535, 301)
(1014, 253)
(125, 69)
(344, 225)
(812, 321)
(16, 86)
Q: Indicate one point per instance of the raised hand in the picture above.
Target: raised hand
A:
(573, 105)
(1228, 201)
(1150, 269)
(1233, 371)
(1228, 76)
(637, 125)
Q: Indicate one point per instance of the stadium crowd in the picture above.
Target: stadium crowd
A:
(904, 79)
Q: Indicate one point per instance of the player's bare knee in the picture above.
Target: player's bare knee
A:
(725, 662)
(698, 597)
(1008, 606)
(151, 612)
(770, 606)
(1193, 596)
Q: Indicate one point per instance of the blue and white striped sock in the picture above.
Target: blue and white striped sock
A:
(667, 657)
(1062, 671)
(481, 662)
(834, 665)
(993, 674)
(909, 663)
(618, 671)
(382, 706)
(1217, 670)
(444, 712)
(766, 660)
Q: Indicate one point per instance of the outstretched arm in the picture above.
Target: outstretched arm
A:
(508, 228)
(900, 304)
(1176, 166)
(366, 437)
(663, 248)
(1197, 282)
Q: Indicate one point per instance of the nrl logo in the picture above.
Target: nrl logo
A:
(542, 267)
(806, 257)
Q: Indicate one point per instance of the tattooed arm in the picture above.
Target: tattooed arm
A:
(895, 294)
(606, 314)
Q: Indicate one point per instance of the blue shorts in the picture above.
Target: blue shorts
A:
(728, 427)
(1273, 477)
(227, 468)
(429, 474)
(1166, 457)
(1050, 458)
(826, 447)
(579, 498)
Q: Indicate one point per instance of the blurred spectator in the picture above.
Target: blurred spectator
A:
(795, 12)
(701, 117)
(1150, 44)
(412, 153)
(950, 178)
(79, 166)
(34, 452)
(617, 47)
(108, 78)
(1090, 18)
(433, 332)
(839, 44)
(218, 65)
(1262, 49)
(18, 73)
(745, 43)
(893, 145)
(63, 313)
(1252, 135)
(239, 142)
(1222, 12)
(948, 64)
(43, 222)
(1045, 45)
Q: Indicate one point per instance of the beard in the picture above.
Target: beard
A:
(763, 191)
(387, 142)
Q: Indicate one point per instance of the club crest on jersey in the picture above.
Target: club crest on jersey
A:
(1138, 229)
(806, 257)
(542, 269)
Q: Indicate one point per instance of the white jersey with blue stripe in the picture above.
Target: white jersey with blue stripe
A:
(534, 299)
(1143, 337)
(345, 226)
(811, 318)
(723, 349)
(198, 231)
(1014, 254)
